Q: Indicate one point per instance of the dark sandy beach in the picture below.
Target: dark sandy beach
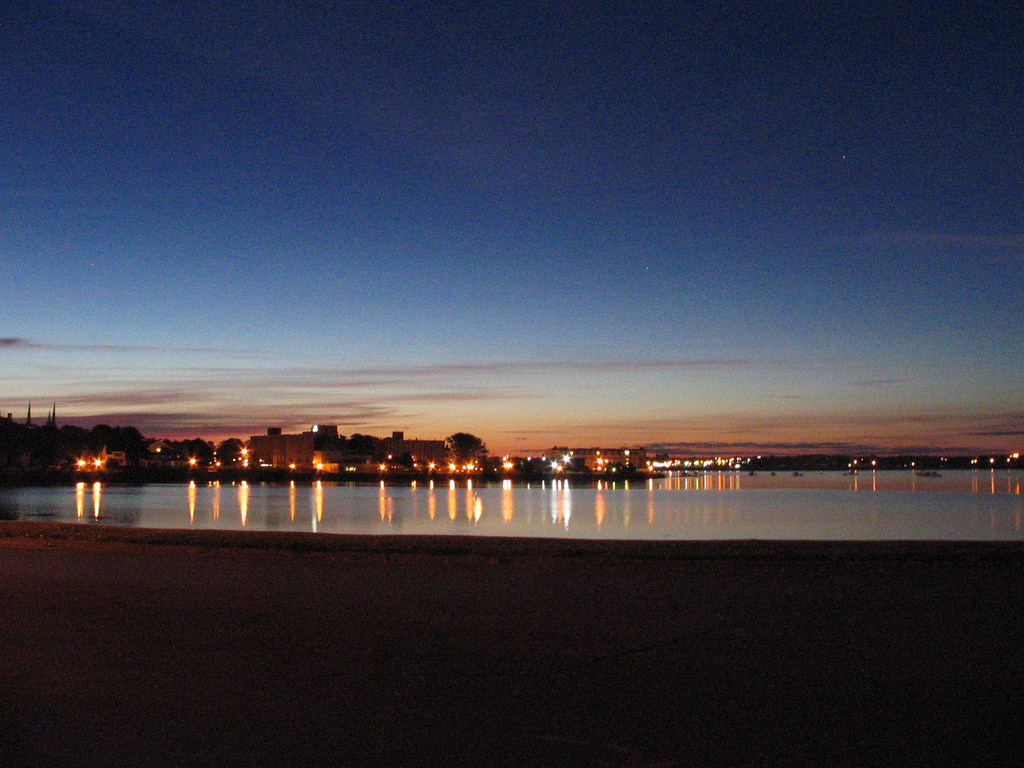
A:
(124, 647)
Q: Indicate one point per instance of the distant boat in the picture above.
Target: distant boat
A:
(928, 473)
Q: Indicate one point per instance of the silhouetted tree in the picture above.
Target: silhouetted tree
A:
(230, 451)
(364, 445)
(463, 447)
(198, 449)
(324, 441)
(125, 439)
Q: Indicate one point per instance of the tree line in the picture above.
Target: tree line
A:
(24, 447)
(27, 447)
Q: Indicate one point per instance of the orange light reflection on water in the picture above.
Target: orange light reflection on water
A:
(243, 501)
(508, 503)
(387, 505)
(414, 499)
(606, 505)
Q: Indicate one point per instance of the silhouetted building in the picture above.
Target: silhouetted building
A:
(281, 451)
(113, 458)
(600, 459)
(158, 454)
(396, 448)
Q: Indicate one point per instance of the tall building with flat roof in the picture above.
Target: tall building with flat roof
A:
(421, 451)
(281, 451)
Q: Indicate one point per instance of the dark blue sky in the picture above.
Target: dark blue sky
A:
(703, 224)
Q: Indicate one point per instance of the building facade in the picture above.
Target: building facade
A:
(282, 451)
(419, 451)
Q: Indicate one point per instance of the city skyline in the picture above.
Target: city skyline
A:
(712, 228)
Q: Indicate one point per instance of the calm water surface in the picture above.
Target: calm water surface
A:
(968, 505)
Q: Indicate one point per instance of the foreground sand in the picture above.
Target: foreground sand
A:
(153, 648)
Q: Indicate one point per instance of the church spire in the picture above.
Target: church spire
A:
(28, 419)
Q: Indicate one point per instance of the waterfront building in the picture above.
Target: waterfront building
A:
(396, 447)
(599, 459)
(282, 451)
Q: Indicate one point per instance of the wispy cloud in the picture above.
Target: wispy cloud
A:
(845, 419)
(127, 399)
(719, 448)
(408, 370)
(540, 366)
(285, 369)
(853, 431)
(169, 395)
(1004, 425)
(872, 383)
(17, 344)
(222, 407)
(236, 421)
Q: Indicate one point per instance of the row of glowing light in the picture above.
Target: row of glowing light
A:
(974, 462)
(98, 463)
(698, 463)
(555, 465)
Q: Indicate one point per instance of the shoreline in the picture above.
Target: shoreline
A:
(76, 534)
(36, 477)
